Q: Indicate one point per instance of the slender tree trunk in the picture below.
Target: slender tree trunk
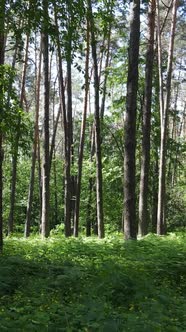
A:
(99, 189)
(130, 227)
(53, 155)
(82, 137)
(2, 49)
(34, 150)
(161, 218)
(155, 194)
(89, 216)
(70, 130)
(55, 190)
(16, 144)
(67, 215)
(39, 182)
(102, 110)
(161, 97)
(145, 160)
(52, 148)
(45, 228)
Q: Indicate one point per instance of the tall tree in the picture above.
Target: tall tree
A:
(99, 189)
(161, 218)
(35, 144)
(145, 159)
(46, 164)
(2, 47)
(107, 39)
(130, 227)
(67, 206)
(82, 136)
(69, 111)
(16, 142)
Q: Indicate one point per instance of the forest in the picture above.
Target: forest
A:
(92, 165)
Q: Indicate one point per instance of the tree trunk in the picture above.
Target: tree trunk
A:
(70, 131)
(161, 97)
(82, 137)
(52, 148)
(34, 151)
(145, 160)
(130, 227)
(2, 46)
(39, 182)
(16, 144)
(89, 216)
(55, 190)
(102, 110)
(155, 195)
(99, 189)
(67, 215)
(45, 229)
(161, 218)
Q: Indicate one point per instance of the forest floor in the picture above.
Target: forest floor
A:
(93, 285)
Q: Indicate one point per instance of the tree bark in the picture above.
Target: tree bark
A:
(89, 215)
(161, 218)
(82, 137)
(99, 189)
(67, 181)
(45, 229)
(2, 49)
(130, 227)
(52, 148)
(145, 160)
(16, 144)
(161, 97)
(34, 150)
(70, 150)
(102, 109)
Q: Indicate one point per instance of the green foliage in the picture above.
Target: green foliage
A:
(23, 176)
(176, 209)
(8, 99)
(89, 285)
(12, 117)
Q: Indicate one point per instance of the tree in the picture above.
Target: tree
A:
(161, 218)
(67, 180)
(16, 142)
(145, 159)
(2, 47)
(35, 145)
(99, 189)
(130, 228)
(82, 136)
(46, 165)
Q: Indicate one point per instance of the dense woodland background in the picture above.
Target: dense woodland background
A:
(92, 151)
(92, 117)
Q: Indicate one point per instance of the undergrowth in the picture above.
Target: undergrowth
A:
(93, 285)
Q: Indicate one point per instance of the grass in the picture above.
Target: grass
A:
(89, 285)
